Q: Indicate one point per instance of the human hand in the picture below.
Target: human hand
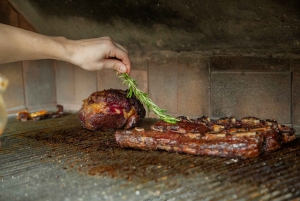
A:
(99, 53)
(90, 54)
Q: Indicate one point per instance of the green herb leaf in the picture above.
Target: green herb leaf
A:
(145, 100)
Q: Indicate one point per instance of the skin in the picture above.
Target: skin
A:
(90, 54)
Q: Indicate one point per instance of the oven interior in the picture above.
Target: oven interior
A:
(196, 58)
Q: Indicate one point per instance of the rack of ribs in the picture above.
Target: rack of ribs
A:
(225, 137)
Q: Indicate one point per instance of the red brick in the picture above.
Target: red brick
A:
(64, 76)
(39, 79)
(296, 93)
(163, 80)
(85, 83)
(8, 15)
(24, 24)
(193, 86)
(240, 94)
(108, 79)
(238, 63)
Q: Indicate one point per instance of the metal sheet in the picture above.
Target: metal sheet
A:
(57, 159)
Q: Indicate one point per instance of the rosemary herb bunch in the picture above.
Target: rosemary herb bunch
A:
(145, 100)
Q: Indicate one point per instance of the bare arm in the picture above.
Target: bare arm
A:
(90, 54)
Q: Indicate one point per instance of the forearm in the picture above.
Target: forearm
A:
(90, 54)
(18, 45)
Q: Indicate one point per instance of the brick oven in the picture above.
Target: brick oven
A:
(223, 59)
(193, 58)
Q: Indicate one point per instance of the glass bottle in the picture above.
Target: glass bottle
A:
(3, 114)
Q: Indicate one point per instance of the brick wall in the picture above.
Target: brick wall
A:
(186, 83)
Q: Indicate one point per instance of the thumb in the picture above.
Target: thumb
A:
(116, 65)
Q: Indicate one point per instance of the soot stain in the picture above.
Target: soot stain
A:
(145, 13)
(96, 153)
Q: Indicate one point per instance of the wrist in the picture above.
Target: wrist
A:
(64, 51)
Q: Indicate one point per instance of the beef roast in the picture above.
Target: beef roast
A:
(111, 109)
(225, 137)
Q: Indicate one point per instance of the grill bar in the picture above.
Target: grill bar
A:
(56, 159)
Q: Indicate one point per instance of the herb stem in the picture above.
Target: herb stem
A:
(145, 100)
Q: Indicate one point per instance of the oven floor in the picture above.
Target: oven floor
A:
(56, 159)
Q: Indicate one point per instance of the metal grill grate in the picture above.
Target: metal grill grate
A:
(59, 160)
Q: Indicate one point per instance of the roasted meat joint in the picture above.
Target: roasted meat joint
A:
(225, 137)
(111, 109)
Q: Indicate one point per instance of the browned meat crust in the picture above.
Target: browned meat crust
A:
(225, 137)
(111, 109)
(243, 145)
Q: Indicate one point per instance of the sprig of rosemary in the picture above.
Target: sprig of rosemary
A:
(145, 100)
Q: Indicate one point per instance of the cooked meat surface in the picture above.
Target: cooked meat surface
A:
(111, 109)
(243, 145)
(225, 137)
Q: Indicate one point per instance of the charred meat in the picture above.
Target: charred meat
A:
(225, 137)
(111, 109)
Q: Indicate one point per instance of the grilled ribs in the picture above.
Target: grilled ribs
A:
(225, 137)
(111, 109)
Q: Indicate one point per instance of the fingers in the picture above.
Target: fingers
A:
(114, 43)
(123, 57)
(101, 53)
(120, 53)
(116, 65)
